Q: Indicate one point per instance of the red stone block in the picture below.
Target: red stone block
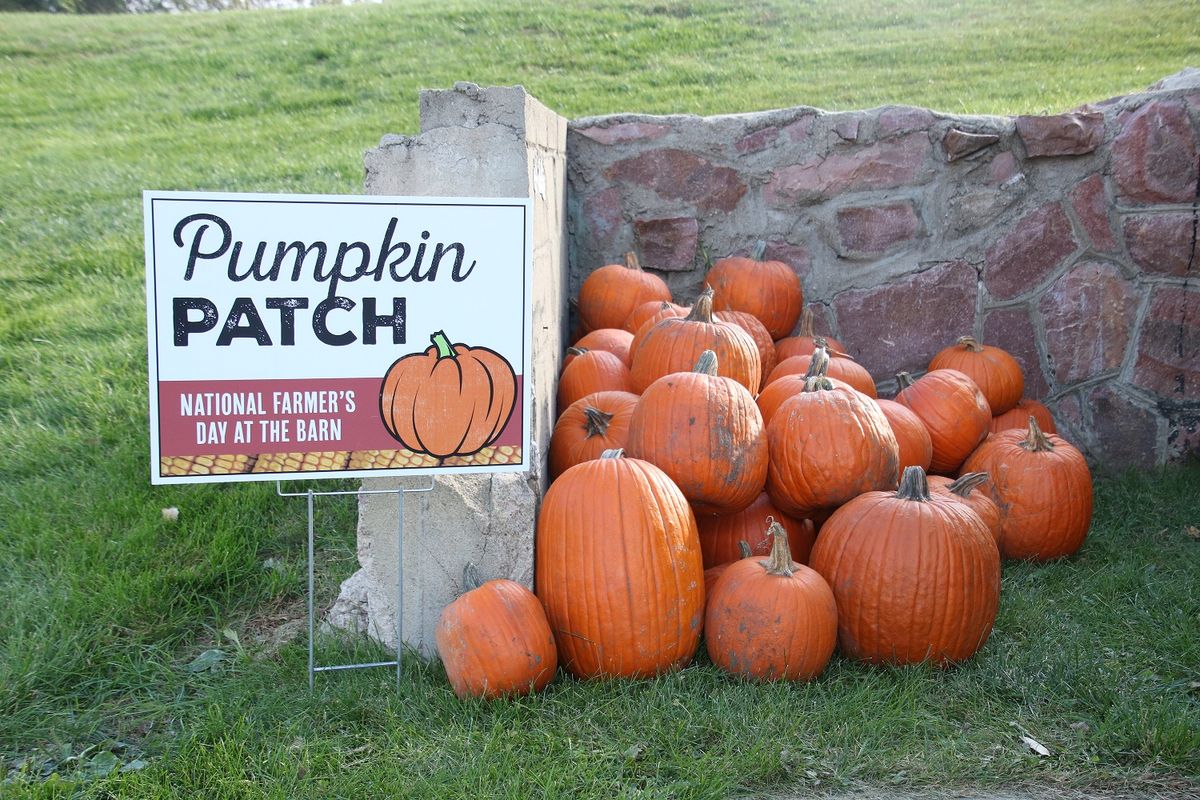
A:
(1089, 315)
(1168, 359)
(884, 165)
(602, 218)
(1124, 433)
(902, 119)
(679, 175)
(1154, 157)
(1091, 205)
(667, 244)
(1003, 168)
(1164, 243)
(624, 132)
(1027, 255)
(759, 140)
(900, 325)
(1012, 329)
(1070, 134)
(874, 230)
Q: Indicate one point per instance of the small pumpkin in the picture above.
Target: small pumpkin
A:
(965, 488)
(1043, 487)
(806, 340)
(768, 289)
(609, 293)
(771, 619)
(675, 344)
(451, 399)
(721, 535)
(952, 409)
(588, 427)
(916, 576)
(995, 371)
(614, 340)
(494, 640)
(618, 569)
(705, 432)
(1017, 417)
(774, 393)
(916, 448)
(591, 371)
(653, 309)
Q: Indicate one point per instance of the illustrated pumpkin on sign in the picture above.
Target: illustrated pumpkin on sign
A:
(448, 400)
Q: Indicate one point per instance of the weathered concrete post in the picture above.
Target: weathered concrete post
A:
(474, 142)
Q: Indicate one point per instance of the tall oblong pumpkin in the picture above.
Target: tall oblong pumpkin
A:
(618, 569)
(768, 289)
(953, 410)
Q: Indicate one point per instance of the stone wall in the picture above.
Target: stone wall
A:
(1069, 240)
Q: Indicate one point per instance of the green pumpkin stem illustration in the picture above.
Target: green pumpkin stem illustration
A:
(444, 348)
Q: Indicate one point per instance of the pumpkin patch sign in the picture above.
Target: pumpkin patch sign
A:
(304, 336)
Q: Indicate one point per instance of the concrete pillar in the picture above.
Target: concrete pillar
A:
(474, 142)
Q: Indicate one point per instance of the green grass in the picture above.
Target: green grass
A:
(104, 605)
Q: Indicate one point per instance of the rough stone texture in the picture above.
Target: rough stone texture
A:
(475, 142)
(875, 230)
(1026, 255)
(624, 132)
(1155, 155)
(884, 165)
(678, 175)
(1088, 315)
(667, 244)
(899, 326)
(1090, 204)
(960, 144)
(1121, 432)
(1168, 353)
(1061, 134)
(1012, 328)
(1163, 243)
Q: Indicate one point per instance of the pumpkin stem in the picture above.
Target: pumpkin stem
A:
(744, 548)
(760, 250)
(968, 481)
(576, 351)
(707, 364)
(471, 577)
(971, 343)
(815, 379)
(913, 485)
(444, 348)
(904, 380)
(702, 311)
(806, 323)
(616, 452)
(1036, 441)
(597, 422)
(632, 262)
(780, 560)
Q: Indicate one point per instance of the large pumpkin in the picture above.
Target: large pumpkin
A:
(494, 641)
(1043, 488)
(588, 427)
(995, 372)
(722, 535)
(674, 344)
(916, 576)
(448, 400)
(952, 409)
(827, 445)
(706, 433)
(770, 290)
(609, 293)
(771, 619)
(618, 569)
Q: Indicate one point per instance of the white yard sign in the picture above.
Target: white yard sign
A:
(330, 336)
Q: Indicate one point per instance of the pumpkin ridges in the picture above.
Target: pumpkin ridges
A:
(567, 448)
(592, 371)
(609, 293)
(770, 290)
(954, 411)
(996, 373)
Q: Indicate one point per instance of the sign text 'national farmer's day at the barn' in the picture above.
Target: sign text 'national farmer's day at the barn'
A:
(329, 336)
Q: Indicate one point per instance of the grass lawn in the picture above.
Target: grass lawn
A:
(105, 606)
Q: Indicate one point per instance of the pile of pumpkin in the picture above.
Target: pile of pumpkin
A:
(716, 477)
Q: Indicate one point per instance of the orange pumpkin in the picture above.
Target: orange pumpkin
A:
(916, 449)
(653, 309)
(588, 427)
(771, 619)
(613, 340)
(762, 338)
(770, 290)
(712, 574)
(774, 393)
(1043, 488)
(842, 369)
(494, 641)
(995, 372)
(1017, 417)
(618, 569)
(609, 293)
(675, 344)
(805, 341)
(705, 432)
(448, 400)
(722, 535)
(965, 489)
(916, 576)
(826, 446)
(591, 371)
(952, 409)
